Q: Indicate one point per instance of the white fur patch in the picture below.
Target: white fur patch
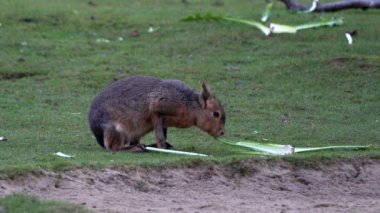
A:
(118, 127)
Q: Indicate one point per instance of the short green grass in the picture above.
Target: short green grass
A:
(18, 203)
(51, 67)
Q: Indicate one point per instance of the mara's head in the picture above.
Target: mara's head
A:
(211, 117)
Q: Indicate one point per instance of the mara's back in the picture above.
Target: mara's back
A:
(124, 102)
(127, 95)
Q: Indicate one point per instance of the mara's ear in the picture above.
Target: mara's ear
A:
(205, 94)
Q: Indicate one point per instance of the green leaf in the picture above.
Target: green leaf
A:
(330, 23)
(267, 12)
(264, 29)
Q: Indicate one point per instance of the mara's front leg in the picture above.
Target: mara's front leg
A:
(167, 144)
(161, 133)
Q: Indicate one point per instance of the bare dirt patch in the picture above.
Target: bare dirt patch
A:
(16, 75)
(340, 186)
(339, 62)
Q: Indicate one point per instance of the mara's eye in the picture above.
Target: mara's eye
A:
(215, 114)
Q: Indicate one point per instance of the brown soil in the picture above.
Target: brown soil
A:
(340, 186)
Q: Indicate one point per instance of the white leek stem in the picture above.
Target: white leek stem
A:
(349, 38)
(312, 7)
(328, 147)
(60, 154)
(174, 152)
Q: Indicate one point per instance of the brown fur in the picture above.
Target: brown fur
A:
(131, 107)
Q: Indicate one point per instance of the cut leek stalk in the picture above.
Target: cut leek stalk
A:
(280, 149)
(273, 27)
(174, 152)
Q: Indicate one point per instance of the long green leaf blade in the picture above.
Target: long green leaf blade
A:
(256, 24)
(267, 11)
(329, 23)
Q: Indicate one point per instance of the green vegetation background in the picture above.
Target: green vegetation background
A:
(54, 60)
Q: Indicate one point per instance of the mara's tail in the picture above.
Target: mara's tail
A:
(99, 135)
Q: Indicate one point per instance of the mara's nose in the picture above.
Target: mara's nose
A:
(222, 133)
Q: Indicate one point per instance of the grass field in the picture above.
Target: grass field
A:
(22, 203)
(56, 55)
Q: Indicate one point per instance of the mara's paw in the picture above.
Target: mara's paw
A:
(135, 148)
(165, 146)
(168, 146)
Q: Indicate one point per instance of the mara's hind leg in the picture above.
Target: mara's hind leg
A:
(113, 139)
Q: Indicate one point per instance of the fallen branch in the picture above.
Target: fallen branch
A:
(333, 6)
